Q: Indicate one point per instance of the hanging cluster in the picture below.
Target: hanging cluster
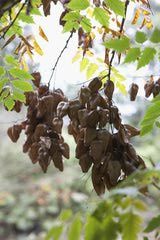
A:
(44, 142)
(102, 140)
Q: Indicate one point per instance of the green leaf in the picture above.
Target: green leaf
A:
(132, 55)
(54, 233)
(83, 64)
(72, 16)
(119, 45)
(150, 117)
(153, 224)
(147, 56)
(4, 93)
(78, 4)
(92, 68)
(75, 229)
(141, 37)
(21, 74)
(2, 83)
(117, 6)
(69, 26)
(9, 103)
(93, 229)
(131, 225)
(18, 96)
(110, 228)
(22, 85)
(155, 38)
(25, 18)
(65, 215)
(101, 16)
(86, 24)
(11, 60)
(2, 71)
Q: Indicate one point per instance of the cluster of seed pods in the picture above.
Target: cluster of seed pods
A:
(44, 142)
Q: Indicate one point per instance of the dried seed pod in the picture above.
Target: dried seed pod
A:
(131, 131)
(57, 124)
(81, 149)
(57, 160)
(37, 79)
(89, 135)
(62, 109)
(41, 130)
(148, 87)
(92, 118)
(96, 151)
(114, 171)
(95, 85)
(103, 117)
(97, 180)
(156, 89)
(84, 95)
(85, 161)
(14, 132)
(105, 137)
(65, 150)
(18, 106)
(33, 152)
(133, 91)
(74, 107)
(82, 117)
(109, 89)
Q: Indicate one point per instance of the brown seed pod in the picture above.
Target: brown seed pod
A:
(85, 161)
(114, 171)
(92, 118)
(97, 180)
(81, 149)
(148, 87)
(89, 135)
(96, 151)
(57, 124)
(84, 95)
(156, 89)
(133, 91)
(65, 150)
(33, 152)
(95, 85)
(57, 160)
(109, 89)
(14, 132)
(37, 79)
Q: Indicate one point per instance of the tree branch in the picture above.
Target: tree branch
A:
(12, 23)
(59, 57)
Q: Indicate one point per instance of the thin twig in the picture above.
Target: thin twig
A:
(59, 57)
(150, 8)
(12, 23)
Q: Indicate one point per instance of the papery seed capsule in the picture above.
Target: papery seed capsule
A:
(133, 91)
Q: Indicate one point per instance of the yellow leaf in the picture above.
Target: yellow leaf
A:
(136, 16)
(42, 34)
(122, 88)
(89, 53)
(76, 57)
(90, 12)
(37, 48)
(29, 53)
(24, 64)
